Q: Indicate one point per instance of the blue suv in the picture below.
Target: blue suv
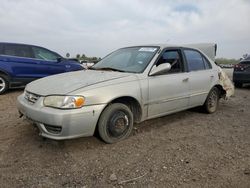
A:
(22, 63)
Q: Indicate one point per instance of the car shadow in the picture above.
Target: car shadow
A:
(95, 141)
(10, 91)
(245, 86)
(139, 128)
(160, 122)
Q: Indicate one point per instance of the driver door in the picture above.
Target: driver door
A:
(168, 92)
(47, 62)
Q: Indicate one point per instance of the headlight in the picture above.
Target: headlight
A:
(64, 102)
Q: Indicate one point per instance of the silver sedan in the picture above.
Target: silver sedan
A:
(130, 85)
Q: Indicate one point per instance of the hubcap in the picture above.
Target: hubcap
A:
(118, 124)
(212, 101)
(2, 84)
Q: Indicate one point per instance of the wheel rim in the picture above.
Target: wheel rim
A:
(213, 101)
(2, 84)
(118, 124)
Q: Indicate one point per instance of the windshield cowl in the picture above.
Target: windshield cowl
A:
(106, 69)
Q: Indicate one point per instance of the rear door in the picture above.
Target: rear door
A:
(21, 60)
(201, 76)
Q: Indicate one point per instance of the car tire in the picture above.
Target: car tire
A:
(238, 84)
(116, 123)
(4, 83)
(212, 102)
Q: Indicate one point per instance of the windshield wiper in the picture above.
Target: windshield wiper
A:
(107, 68)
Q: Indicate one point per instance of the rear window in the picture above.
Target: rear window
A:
(245, 62)
(17, 50)
(248, 58)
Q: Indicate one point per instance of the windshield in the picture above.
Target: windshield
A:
(132, 59)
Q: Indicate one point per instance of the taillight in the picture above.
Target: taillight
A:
(239, 66)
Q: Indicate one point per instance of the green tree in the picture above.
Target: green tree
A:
(78, 56)
(67, 55)
(226, 61)
(83, 56)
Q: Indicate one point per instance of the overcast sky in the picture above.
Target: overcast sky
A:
(96, 27)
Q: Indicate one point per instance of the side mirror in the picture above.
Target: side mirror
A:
(160, 69)
(59, 59)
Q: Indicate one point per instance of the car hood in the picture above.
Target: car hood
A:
(68, 82)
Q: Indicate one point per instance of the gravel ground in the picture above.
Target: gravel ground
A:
(186, 149)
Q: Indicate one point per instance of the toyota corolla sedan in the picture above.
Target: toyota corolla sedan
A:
(128, 86)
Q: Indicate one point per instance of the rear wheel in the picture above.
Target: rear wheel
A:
(238, 84)
(115, 123)
(212, 101)
(4, 83)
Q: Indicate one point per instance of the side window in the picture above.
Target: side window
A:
(207, 63)
(174, 58)
(194, 60)
(17, 50)
(43, 54)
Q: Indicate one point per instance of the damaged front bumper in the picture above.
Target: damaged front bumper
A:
(60, 124)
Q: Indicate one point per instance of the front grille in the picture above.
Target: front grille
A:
(53, 129)
(31, 97)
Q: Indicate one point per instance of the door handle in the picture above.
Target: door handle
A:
(211, 76)
(185, 79)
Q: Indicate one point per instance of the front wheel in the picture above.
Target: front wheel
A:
(4, 83)
(212, 102)
(116, 123)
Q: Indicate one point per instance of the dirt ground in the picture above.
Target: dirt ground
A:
(186, 149)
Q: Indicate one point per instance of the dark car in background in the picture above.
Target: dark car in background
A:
(22, 63)
(241, 74)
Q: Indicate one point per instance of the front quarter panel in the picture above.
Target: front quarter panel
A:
(70, 65)
(104, 93)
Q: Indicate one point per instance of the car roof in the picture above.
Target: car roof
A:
(207, 48)
(20, 44)
(3, 43)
